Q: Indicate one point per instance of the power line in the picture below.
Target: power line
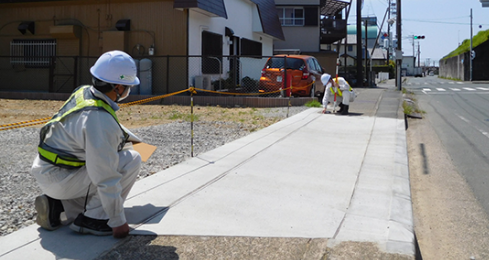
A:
(431, 21)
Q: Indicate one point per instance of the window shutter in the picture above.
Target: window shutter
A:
(311, 16)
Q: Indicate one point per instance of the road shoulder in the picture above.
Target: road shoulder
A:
(449, 222)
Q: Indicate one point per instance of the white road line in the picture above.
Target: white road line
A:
(441, 89)
(451, 82)
(427, 89)
(469, 89)
(460, 83)
(486, 134)
(455, 89)
(482, 88)
(464, 119)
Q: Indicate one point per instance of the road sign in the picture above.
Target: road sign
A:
(472, 55)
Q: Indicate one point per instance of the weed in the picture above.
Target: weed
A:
(454, 79)
(313, 103)
(191, 117)
(175, 115)
(408, 109)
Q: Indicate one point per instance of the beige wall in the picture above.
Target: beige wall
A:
(148, 19)
(305, 38)
(152, 22)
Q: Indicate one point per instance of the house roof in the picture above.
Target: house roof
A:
(332, 7)
(379, 54)
(267, 11)
(214, 8)
(269, 18)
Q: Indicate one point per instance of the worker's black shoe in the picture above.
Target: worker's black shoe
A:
(341, 108)
(48, 212)
(86, 225)
(344, 111)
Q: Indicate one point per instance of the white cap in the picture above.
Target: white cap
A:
(325, 78)
(116, 67)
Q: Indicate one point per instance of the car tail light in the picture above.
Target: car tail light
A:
(263, 72)
(305, 74)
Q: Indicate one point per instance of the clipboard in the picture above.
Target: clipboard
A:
(144, 149)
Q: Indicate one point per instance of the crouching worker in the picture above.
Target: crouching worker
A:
(82, 166)
(342, 89)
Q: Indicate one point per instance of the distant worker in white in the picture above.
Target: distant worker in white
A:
(343, 93)
(85, 167)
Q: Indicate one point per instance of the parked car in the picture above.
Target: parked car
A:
(304, 71)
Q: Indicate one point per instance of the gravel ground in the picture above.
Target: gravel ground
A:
(18, 188)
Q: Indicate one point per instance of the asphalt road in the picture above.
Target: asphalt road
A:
(459, 113)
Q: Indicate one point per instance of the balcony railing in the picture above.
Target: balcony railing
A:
(332, 30)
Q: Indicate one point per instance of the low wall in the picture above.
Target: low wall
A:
(223, 101)
(453, 67)
(458, 67)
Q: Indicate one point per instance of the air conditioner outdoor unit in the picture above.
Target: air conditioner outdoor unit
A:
(203, 82)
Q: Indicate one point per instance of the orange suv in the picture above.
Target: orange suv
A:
(304, 71)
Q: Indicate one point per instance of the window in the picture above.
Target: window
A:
(251, 48)
(278, 63)
(350, 48)
(212, 53)
(312, 65)
(318, 66)
(291, 16)
(32, 53)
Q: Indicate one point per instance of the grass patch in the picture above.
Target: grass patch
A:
(175, 115)
(408, 109)
(454, 79)
(313, 103)
(478, 39)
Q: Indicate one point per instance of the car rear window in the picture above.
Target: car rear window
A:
(278, 63)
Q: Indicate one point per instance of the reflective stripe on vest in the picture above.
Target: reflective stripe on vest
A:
(339, 91)
(81, 99)
(56, 160)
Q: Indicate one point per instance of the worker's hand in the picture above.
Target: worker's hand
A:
(121, 231)
(324, 111)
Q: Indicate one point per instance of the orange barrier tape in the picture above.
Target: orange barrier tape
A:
(191, 90)
(25, 125)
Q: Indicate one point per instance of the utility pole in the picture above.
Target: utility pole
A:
(414, 55)
(346, 38)
(470, 54)
(366, 52)
(388, 33)
(359, 44)
(419, 56)
(399, 46)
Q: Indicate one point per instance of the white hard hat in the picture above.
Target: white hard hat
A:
(325, 78)
(115, 67)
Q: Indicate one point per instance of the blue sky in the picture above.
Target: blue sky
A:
(444, 23)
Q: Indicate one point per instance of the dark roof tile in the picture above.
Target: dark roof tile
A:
(215, 7)
(269, 18)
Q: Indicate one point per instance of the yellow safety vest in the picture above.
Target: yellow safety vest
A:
(81, 99)
(339, 91)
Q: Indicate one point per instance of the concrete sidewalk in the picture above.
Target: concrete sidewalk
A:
(312, 176)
